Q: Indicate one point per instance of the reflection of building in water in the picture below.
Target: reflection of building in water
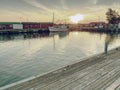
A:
(6, 37)
(35, 35)
(108, 40)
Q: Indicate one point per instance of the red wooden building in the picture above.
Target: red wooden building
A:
(34, 25)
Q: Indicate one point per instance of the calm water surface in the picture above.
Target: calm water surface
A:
(22, 56)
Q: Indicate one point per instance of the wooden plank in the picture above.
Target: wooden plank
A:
(97, 74)
(114, 86)
(80, 74)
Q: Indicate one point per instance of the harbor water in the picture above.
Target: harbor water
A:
(26, 55)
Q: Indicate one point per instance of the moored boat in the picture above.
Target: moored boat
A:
(58, 28)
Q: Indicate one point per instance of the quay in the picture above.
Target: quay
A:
(98, 72)
(24, 31)
(104, 30)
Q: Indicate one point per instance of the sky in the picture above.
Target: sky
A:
(42, 10)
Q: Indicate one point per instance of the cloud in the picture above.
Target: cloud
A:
(62, 8)
(107, 2)
(94, 1)
(63, 2)
(37, 5)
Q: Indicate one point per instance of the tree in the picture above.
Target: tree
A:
(113, 17)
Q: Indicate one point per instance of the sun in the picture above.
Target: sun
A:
(76, 18)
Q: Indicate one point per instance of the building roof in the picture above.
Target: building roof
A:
(4, 23)
(36, 22)
(9, 23)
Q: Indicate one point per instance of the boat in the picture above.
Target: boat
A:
(58, 28)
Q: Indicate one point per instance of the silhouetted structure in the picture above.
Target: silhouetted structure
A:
(113, 17)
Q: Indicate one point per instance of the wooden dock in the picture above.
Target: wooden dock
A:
(99, 72)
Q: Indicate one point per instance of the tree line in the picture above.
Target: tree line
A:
(113, 17)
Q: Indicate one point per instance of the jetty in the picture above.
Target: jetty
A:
(98, 72)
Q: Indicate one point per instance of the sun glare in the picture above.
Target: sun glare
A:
(76, 18)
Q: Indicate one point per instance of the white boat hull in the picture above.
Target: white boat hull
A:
(59, 28)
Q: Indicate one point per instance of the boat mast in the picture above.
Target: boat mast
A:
(53, 18)
(20, 20)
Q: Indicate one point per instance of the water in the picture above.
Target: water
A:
(22, 56)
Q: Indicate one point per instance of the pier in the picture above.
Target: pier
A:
(98, 72)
